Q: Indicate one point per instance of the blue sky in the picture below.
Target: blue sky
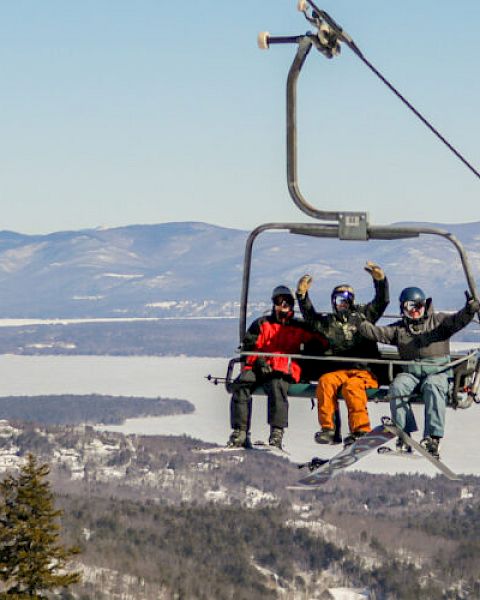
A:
(116, 112)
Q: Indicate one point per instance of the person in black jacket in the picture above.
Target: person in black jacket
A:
(340, 329)
(421, 336)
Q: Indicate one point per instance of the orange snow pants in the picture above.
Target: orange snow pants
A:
(352, 384)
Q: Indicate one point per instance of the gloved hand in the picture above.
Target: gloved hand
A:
(356, 319)
(303, 285)
(261, 368)
(472, 304)
(375, 271)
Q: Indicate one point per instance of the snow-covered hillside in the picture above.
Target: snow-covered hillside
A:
(195, 269)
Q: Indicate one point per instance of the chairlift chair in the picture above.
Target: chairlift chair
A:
(347, 225)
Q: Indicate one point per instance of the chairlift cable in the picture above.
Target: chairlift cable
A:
(419, 115)
(343, 36)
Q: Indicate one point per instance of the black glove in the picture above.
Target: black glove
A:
(472, 305)
(261, 368)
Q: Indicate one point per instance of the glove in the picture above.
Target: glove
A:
(472, 305)
(303, 285)
(375, 271)
(356, 319)
(261, 368)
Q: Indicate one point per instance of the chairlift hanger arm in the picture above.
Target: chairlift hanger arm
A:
(344, 225)
(327, 41)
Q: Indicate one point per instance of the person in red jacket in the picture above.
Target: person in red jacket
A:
(276, 334)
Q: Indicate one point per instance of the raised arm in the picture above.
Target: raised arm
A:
(375, 309)
(451, 324)
(307, 309)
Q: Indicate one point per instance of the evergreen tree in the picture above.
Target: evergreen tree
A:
(32, 559)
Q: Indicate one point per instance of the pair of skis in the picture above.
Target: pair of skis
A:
(255, 446)
(323, 470)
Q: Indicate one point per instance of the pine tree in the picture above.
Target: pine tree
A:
(32, 559)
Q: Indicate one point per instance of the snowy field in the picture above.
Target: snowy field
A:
(183, 377)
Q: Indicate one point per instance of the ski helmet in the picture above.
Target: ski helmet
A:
(414, 295)
(283, 290)
(344, 292)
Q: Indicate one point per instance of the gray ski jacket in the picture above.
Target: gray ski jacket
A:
(423, 339)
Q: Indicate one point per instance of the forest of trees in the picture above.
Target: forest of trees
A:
(210, 551)
(404, 536)
(70, 409)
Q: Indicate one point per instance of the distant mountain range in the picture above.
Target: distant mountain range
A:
(193, 269)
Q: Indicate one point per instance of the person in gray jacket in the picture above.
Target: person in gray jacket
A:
(421, 336)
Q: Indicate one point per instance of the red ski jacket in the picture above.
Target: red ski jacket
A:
(266, 334)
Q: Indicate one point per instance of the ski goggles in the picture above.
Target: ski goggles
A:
(283, 301)
(414, 310)
(411, 305)
(342, 298)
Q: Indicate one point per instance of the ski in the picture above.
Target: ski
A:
(388, 424)
(386, 451)
(264, 447)
(255, 447)
(218, 450)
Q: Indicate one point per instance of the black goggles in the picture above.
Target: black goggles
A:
(283, 301)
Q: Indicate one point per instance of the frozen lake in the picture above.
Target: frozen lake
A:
(184, 377)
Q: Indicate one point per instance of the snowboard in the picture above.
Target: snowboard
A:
(324, 470)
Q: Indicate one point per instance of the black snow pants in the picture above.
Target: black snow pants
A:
(276, 387)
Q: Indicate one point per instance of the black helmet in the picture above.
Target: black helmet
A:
(345, 292)
(283, 290)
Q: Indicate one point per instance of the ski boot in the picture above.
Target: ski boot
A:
(353, 437)
(431, 444)
(326, 436)
(276, 437)
(239, 438)
(401, 446)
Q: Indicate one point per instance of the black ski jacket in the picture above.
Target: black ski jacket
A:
(341, 329)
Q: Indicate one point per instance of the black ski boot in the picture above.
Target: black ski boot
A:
(326, 436)
(431, 444)
(353, 437)
(276, 437)
(239, 438)
(401, 446)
